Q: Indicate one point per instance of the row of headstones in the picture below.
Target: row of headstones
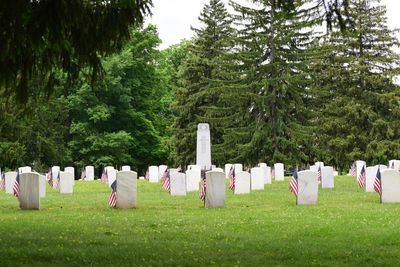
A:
(327, 174)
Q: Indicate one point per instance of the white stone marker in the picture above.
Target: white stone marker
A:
(29, 196)
(126, 189)
(267, 177)
(370, 174)
(327, 177)
(390, 186)
(178, 184)
(242, 183)
(153, 174)
(66, 183)
(203, 150)
(227, 169)
(161, 170)
(307, 188)
(89, 173)
(218, 169)
(262, 164)
(257, 178)
(54, 172)
(359, 165)
(394, 163)
(112, 176)
(314, 168)
(24, 169)
(279, 172)
(238, 167)
(9, 181)
(192, 180)
(42, 185)
(319, 164)
(215, 190)
(125, 168)
(70, 170)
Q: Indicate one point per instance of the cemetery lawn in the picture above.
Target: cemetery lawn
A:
(348, 227)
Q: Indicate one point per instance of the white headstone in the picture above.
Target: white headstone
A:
(24, 169)
(178, 184)
(307, 188)
(125, 168)
(279, 172)
(70, 170)
(238, 167)
(29, 196)
(335, 173)
(42, 185)
(192, 180)
(66, 183)
(370, 174)
(153, 174)
(218, 169)
(242, 183)
(394, 163)
(314, 168)
(257, 178)
(112, 176)
(267, 177)
(89, 173)
(126, 189)
(203, 151)
(319, 164)
(227, 169)
(141, 177)
(262, 164)
(54, 172)
(359, 165)
(390, 186)
(161, 170)
(327, 177)
(215, 190)
(9, 181)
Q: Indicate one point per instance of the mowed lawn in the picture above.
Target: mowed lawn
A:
(347, 227)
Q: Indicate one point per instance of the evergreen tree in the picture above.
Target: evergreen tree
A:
(204, 73)
(357, 101)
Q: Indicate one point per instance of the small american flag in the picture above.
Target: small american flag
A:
(112, 201)
(104, 176)
(166, 184)
(232, 178)
(16, 185)
(353, 171)
(83, 174)
(50, 178)
(378, 182)
(57, 182)
(2, 181)
(202, 194)
(362, 177)
(293, 186)
(319, 175)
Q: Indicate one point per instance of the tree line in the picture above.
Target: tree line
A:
(275, 83)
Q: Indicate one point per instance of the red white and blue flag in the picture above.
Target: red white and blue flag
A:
(319, 175)
(50, 178)
(362, 177)
(293, 186)
(232, 178)
(378, 182)
(57, 182)
(104, 176)
(166, 183)
(112, 200)
(353, 170)
(2, 181)
(16, 185)
(202, 194)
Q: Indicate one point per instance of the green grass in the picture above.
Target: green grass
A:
(347, 228)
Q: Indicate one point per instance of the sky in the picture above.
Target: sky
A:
(174, 18)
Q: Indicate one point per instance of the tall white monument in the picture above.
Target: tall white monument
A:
(203, 152)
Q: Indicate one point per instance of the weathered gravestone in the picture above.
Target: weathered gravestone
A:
(89, 173)
(70, 170)
(203, 150)
(390, 183)
(125, 168)
(192, 180)
(178, 184)
(327, 177)
(9, 181)
(66, 183)
(307, 188)
(257, 178)
(215, 190)
(24, 169)
(42, 185)
(227, 169)
(126, 189)
(242, 183)
(279, 172)
(161, 170)
(153, 174)
(29, 195)
(359, 165)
